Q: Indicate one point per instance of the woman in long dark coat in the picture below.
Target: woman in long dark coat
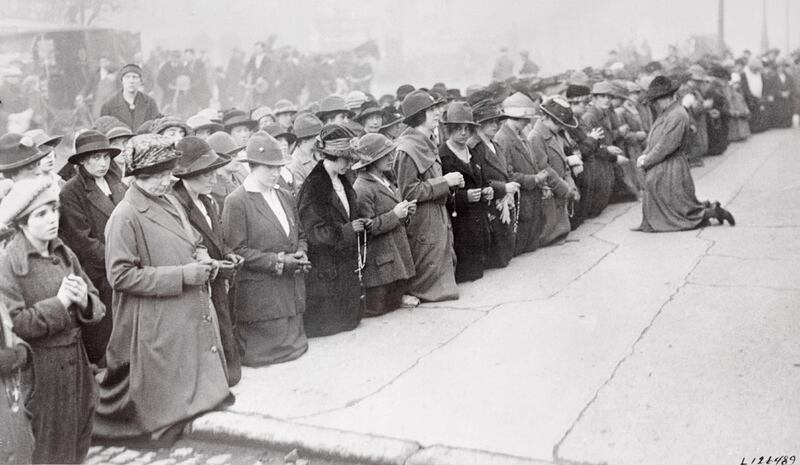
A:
(468, 204)
(389, 263)
(419, 177)
(49, 298)
(669, 202)
(329, 215)
(548, 145)
(513, 144)
(261, 224)
(503, 208)
(87, 201)
(197, 174)
(164, 363)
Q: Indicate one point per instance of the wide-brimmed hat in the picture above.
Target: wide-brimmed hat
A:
(25, 196)
(166, 122)
(331, 105)
(416, 102)
(620, 89)
(660, 86)
(17, 151)
(263, 149)
(119, 132)
(89, 142)
(371, 148)
(559, 109)
(460, 113)
(307, 125)
(235, 118)
(604, 88)
(368, 109)
(197, 158)
(391, 117)
(519, 105)
(276, 130)
(335, 140)
(284, 106)
(223, 143)
(487, 110)
(43, 141)
(149, 154)
(200, 122)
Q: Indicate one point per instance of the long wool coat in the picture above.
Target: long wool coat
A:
(145, 109)
(419, 176)
(65, 394)
(333, 288)
(15, 426)
(496, 172)
(212, 240)
(548, 152)
(85, 210)
(523, 169)
(164, 359)
(471, 222)
(599, 171)
(669, 202)
(389, 257)
(264, 293)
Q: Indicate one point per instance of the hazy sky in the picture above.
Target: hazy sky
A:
(456, 40)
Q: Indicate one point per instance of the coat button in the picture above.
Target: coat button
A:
(214, 349)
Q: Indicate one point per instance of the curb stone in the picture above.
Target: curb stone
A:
(256, 430)
(280, 434)
(445, 455)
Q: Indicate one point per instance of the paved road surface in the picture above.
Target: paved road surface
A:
(615, 347)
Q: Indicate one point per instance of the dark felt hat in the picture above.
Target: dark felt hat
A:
(235, 118)
(460, 113)
(404, 90)
(391, 117)
(660, 86)
(415, 102)
(576, 91)
(487, 110)
(307, 125)
(197, 158)
(367, 109)
(119, 132)
(331, 105)
(371, 148)
(89, 142)
(130, 68)
(17, 151)
(275, 130)
(559, 109)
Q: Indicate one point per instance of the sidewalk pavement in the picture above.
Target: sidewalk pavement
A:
(615, 347)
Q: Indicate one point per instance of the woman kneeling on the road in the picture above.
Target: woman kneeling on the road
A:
(388, 264)
(669, 202)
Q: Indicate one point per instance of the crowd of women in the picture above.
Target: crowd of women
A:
(137, 281)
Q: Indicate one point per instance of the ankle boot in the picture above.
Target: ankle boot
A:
(723, 215)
